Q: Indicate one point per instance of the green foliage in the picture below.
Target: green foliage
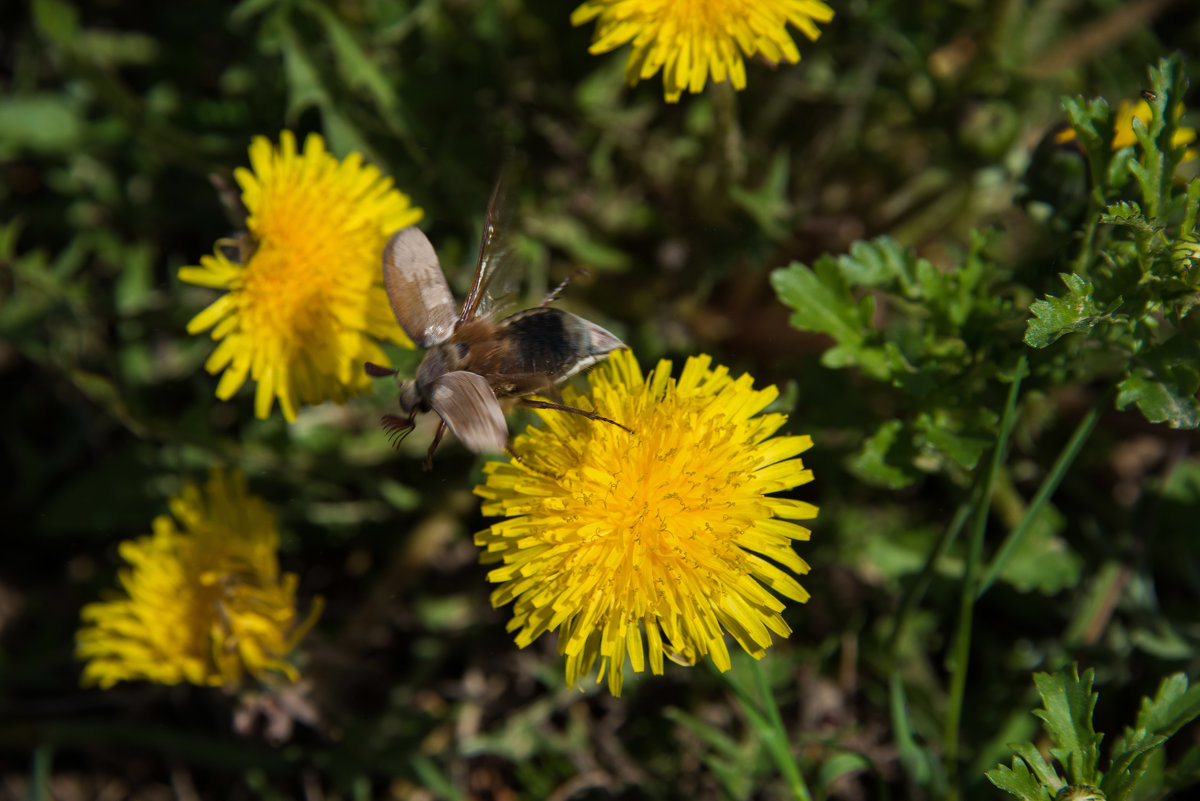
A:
(1134, 766)
(1075, 312)
(935, 346)
(901, 144)
(1134, 285)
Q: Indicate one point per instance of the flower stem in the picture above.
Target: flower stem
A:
(961, 651)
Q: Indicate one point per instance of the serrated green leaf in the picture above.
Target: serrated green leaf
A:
(1092, 122)
(821, 301)
(883, 263)
(1019, 781)
(1129, 764)
(1160, 155)
(1165, 384)
(1068, 704)
(1045, 772)
(1172, 707)
(1126, 213)
(1055, 317)
(886, 457)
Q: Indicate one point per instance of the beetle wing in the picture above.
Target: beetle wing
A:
(493, 277)
(417, 288)
(468, 405)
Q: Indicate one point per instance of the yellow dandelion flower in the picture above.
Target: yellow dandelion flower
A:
(692, 39)
(660, 540)
(307, 306)
(202, 600)
(1123, 135)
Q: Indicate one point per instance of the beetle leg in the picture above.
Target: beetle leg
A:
(437, 438)
(537, 404)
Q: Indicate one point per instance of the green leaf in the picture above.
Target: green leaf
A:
(1019, 781)
(838, 764)
(1068, 703)
(570, 234)
(886, 457)
(48, 123)
(822, 302)
(1046, 773)
(1165, 383)
(305, 89)
(1054, 317)
(1042, 560)
(1128, 766)
(769, 205)
(730, 762)
(357, 68)
(1128, 214)
(1159, 157)
(963, 449)
(1174, 706)
(57, 21)
(1092, 121)
(885, 264)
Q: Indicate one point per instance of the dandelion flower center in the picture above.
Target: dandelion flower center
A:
(307, 307)
(202, 600)
(613, 536)
(692, 39)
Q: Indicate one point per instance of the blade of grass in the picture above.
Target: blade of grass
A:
(916, 589)
(769, 726)
(39, 774)
(961, 652)
(1047, 489)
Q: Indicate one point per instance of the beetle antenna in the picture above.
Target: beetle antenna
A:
(578, 271)
(397, 428)
(378, 370)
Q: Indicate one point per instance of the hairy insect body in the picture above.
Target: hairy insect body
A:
(536, 349)
(472, 361)
(527, 353)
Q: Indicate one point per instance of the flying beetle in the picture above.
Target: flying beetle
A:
(475, 362)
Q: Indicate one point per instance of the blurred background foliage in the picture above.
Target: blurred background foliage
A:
(911, 133)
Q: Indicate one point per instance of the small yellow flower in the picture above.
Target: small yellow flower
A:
(202, 600)
(692, 39)
(670, 533)
(307, 306)
(1123, 135)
